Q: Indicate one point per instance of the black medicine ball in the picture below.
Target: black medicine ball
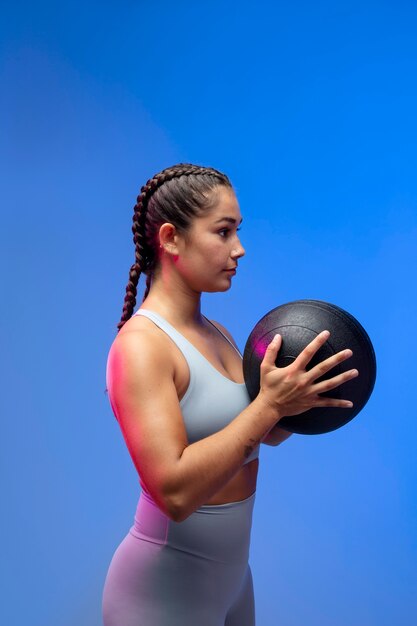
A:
(299, 323)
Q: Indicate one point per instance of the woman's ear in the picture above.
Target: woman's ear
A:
(168, 238)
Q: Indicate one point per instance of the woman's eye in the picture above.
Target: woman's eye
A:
(227, 230)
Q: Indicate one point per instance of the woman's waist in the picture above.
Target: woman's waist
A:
(219, 532)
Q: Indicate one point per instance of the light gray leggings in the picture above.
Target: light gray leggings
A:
(189, 573)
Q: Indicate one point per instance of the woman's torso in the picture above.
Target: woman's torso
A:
(223, 357)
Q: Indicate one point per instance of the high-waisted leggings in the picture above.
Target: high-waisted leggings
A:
(189, 573)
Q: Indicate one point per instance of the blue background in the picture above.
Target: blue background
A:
(310, 108)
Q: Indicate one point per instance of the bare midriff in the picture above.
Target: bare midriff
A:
(240, 487)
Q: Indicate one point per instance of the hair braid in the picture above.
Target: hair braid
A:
(180, 204)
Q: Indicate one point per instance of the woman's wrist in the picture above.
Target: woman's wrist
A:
(268, 408)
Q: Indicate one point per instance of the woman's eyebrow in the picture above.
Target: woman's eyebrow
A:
(231, 220)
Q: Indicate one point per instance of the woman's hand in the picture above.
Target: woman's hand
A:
(292, 390)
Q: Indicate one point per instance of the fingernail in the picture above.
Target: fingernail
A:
(325, 333)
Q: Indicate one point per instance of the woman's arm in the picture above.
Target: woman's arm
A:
(179, 476)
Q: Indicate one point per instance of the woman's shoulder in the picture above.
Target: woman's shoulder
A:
(138, 355)
(140, 339)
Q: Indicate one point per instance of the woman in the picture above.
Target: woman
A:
(176, 386)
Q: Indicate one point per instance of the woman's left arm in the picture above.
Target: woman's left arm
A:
(276, 436)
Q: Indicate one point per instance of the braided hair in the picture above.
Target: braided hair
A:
(176, 195)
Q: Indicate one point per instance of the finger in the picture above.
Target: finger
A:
(322, 368)
(332, 383)
(271, 351)
(333, 402)
(309, 351)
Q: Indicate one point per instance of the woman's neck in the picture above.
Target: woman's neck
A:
(178, 305)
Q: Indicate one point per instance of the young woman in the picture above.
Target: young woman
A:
(176, 386)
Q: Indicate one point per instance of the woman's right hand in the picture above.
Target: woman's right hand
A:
(291, 390)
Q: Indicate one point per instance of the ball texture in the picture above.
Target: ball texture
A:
(298, 323)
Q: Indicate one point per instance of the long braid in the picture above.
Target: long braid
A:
(148, 286)
(145, 257)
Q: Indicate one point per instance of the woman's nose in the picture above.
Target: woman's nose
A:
(238, 251)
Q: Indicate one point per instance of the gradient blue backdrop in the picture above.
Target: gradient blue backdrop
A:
(310, 108)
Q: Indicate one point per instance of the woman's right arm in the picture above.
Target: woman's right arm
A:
(182, 476)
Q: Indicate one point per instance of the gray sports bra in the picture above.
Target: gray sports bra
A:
(211, 400)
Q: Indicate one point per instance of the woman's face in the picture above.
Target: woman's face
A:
(212, 247)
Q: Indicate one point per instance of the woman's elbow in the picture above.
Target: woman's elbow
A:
(174, 506)
(177, 512)
(170, 494)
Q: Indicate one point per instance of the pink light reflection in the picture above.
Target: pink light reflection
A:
(260, 346)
